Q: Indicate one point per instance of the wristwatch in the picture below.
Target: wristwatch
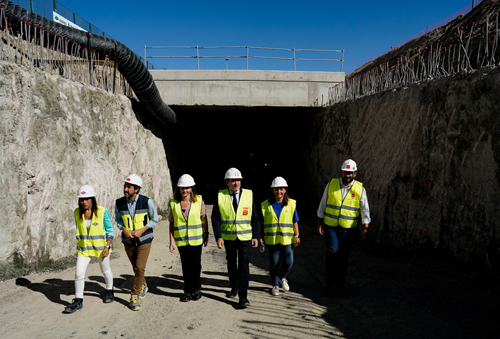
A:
(297, 236)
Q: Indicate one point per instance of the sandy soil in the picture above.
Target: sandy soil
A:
(393, 296)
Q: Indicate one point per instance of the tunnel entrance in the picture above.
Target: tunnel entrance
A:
(262, 142)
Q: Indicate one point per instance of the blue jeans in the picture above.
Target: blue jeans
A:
(277, 270)
(339, 244)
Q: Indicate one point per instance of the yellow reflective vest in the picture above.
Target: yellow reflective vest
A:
(92, 241)
(141, 219)
(236, 224)
(278, 231)
(190, 232)
(344, 213)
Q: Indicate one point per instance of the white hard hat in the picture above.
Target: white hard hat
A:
(134, 179)
(233, 173)
(349, 166)
(85, 191)
(279, 182)
(186, 181)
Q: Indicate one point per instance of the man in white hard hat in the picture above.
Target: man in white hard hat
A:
(136, 216)
(236, 227)
(344, 201)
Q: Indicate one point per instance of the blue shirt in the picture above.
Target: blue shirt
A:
(278, 207)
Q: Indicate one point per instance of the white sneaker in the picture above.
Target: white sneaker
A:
(275, 290)
(284, 284)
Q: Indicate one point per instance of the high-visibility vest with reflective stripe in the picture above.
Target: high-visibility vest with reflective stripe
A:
(92, 241)
(278, 231)
(236, 225)
(344, 213)
(141, 218)
(190, 232)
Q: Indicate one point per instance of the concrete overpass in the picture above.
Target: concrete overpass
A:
(245, 87)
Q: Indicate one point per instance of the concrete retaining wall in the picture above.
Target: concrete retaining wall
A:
(428, 156)
(54, 136)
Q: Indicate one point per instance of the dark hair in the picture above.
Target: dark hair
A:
(178, 196)
(272, 198)
(93, 208)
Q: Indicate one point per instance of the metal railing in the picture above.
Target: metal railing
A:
(246, 56)
(46, 8)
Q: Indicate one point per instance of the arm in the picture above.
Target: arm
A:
(108, 229)
(216, 225)
(204, 222)
(172, 241)
(365, 214)
(296, 228)
(153, 220)
(120, 225)
(255, 221)
(321, 210)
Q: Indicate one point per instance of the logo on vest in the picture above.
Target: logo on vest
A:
(95, 224)
(245, 210)
(353, 195)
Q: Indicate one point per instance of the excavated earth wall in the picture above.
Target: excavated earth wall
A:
(56, 135)
(428, 156)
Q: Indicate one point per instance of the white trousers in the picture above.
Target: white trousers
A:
(81, 266)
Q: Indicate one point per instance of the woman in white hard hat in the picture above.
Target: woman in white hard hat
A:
(94, 234)
(281, 232)
(189, 231)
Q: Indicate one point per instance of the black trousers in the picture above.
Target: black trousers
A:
(191, 267)
(237, 256)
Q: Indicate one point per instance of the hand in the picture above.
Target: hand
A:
(137, 233)
(220, 243)
(255, 243)
(172, 248)
(363, 234)
(127, 233)
(296, 243)
(321, 231)
(205, 242)
(105, 253)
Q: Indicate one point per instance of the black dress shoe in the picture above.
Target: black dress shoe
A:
(244, 302)
(196, 295)
(233, 293)
(185, 297)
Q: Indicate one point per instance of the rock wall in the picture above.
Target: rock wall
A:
(56, 135)
(428, 156)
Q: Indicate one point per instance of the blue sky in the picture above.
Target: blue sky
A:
(362, 28)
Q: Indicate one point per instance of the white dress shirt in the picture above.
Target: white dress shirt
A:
(364, 207)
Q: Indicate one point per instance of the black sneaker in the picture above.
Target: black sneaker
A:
(244, 302)
(75, 305)
(110, 296)
(185, 297)
(233, 293)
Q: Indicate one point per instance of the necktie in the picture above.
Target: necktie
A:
(235, 202)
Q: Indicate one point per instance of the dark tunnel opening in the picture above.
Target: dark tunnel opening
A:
(262, 142)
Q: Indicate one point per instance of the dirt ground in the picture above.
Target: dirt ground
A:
(394, 295)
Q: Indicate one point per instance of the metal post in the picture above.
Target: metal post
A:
(145, 62)
(55, 6)
(342, 61)
(31, 6)
(472, 4)
(197, 57)
(247, 58)
(294, 59)
(227, 64)
(114, 70)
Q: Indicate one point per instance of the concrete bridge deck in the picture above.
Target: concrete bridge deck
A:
(245, 87)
